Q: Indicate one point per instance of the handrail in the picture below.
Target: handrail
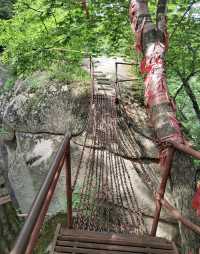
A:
(116, 71)
(25, 234)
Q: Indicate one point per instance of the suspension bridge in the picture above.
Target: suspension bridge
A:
(108, 217)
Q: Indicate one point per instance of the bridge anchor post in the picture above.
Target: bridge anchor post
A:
(161, 192)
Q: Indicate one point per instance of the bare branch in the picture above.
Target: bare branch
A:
(193, 98)
(31, 8)
(161, 20)
(177, 92)
(182, 18)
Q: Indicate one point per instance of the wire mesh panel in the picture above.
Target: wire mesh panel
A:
(107, 197)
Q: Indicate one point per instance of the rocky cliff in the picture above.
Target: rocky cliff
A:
(35, 114)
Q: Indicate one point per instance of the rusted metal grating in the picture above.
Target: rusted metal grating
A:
(79, 242)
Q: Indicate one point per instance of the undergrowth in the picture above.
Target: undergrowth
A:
(7, 86)
(68, 72)
(60, 71)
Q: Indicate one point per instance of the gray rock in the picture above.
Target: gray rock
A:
(34, 115)
(53, 108)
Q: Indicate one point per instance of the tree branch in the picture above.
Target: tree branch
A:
(31, 8)
(182, 18)
(193, 99)
(161, 20)
(177, 92)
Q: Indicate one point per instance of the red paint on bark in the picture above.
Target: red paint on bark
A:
(153, 65)
(196, 202)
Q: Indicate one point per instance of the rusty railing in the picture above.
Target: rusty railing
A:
(30, 231)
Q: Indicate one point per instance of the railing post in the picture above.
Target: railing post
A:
(68, 185)
(116, 73)
(161, 190)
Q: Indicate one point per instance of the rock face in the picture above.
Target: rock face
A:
(39, 106)
(35, 115)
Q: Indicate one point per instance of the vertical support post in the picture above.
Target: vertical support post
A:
(116, 73)
(68, 185)
(161, 191)
(90, 66)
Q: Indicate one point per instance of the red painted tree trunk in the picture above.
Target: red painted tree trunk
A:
(152, 43)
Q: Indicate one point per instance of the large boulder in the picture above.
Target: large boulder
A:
(39, 104)
(34, 117)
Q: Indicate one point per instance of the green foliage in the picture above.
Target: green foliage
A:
(36, 80)
(68, 72)
(39, 27)
(76, 197)
(8, 85)
(49, 227)
(183, 64)
(42, 25)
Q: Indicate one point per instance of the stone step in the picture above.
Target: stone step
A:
(105, 88)
(108, 84)
(103, 83)
(96, 72)
(99, 76)
(103, 79)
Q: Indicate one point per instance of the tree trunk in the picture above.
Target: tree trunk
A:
(151, 41)
(153, 45)
(182, 185)
(85, 7)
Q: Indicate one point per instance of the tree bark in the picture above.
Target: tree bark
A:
(85, 7)
(153, 46)
(182, 185)
(151, 41)
(161, 20)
